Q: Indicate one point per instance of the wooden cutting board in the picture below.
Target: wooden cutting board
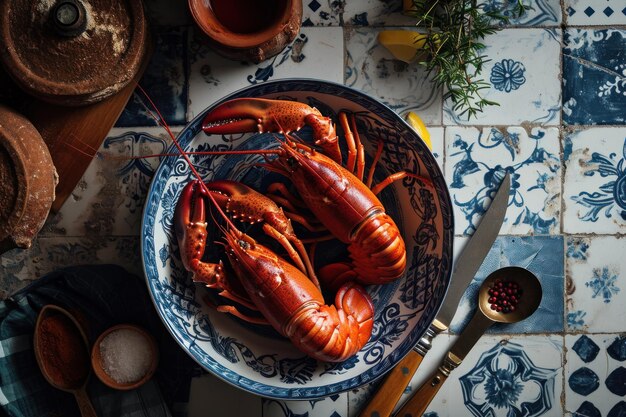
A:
(74, 135)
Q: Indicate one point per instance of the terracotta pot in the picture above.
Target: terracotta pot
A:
(28, 180)
(248, 30)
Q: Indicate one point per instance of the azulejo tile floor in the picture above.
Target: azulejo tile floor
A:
(559, 74)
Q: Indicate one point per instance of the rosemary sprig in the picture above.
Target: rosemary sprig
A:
(455, 30)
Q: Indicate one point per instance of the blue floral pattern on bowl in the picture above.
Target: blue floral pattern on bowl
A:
(239, 352)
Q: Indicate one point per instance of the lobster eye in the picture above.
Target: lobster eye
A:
(243, 244)
(292, 162)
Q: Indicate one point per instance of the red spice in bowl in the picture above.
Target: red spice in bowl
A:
(61, 349)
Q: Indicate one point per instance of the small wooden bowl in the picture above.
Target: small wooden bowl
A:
(98, 365)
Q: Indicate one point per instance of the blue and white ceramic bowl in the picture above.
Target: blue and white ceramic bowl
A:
(256, 358)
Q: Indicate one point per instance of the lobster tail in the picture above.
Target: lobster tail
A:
(378, 251)
(378, 255)
(336, 332)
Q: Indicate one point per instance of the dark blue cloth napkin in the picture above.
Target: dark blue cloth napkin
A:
(100, 296)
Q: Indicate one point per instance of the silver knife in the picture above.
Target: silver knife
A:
(465, 267)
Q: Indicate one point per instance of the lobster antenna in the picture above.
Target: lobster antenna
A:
(185, 156)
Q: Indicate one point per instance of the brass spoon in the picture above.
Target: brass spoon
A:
(42, 345)
(482, 320)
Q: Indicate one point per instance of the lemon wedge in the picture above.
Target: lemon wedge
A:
(418, 124)
(404, 45)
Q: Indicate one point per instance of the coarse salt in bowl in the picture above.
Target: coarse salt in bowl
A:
(124, 357)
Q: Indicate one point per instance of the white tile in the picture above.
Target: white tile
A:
(316, 53)
(595, 12)
(541, 12)
(593, 373)
(476, 160)
(333, 406)
(594, 189)
(596, 280)
(376, 13)
(523, 70)
(500, 376)
(371, 68)
(109, 198)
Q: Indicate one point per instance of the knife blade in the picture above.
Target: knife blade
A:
(465, 267)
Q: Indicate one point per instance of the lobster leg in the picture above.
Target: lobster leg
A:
(250, 206)
(356, 150)
(398, 176)
(281, 195)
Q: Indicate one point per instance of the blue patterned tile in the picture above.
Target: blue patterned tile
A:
(595, 12)
(617, 349)
(594, 76)
(618, 410)
(165, 81)
(587, 409)
(523, 68)
(541, 13)
(616, 381)
(389, 12)
(321, 12)
(371, 68)
(583, 381)
(512, 377)
(541, 255)
(595, 287)
(586, 349)
(333, 406)
(317, 52)
(594, 186)
(110, 197)
(21, 267)
(476, 161)
(597, 386)
(376, 13)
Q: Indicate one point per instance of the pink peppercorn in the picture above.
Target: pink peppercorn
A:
(504, 296)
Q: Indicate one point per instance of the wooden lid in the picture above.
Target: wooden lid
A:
(27, 181)
(72, 52)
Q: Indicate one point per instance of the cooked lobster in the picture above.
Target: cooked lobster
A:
(287, 299)
(336, 195)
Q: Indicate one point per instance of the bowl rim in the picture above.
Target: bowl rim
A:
(259, 388)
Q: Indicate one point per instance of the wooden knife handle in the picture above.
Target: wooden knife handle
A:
(418, 403)
(388, 394)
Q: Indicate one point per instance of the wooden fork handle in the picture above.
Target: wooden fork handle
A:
(388, 394)
(418, 403)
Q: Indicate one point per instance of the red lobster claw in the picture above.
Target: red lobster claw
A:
(262, 115)
(190, 225)
(191, 233)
